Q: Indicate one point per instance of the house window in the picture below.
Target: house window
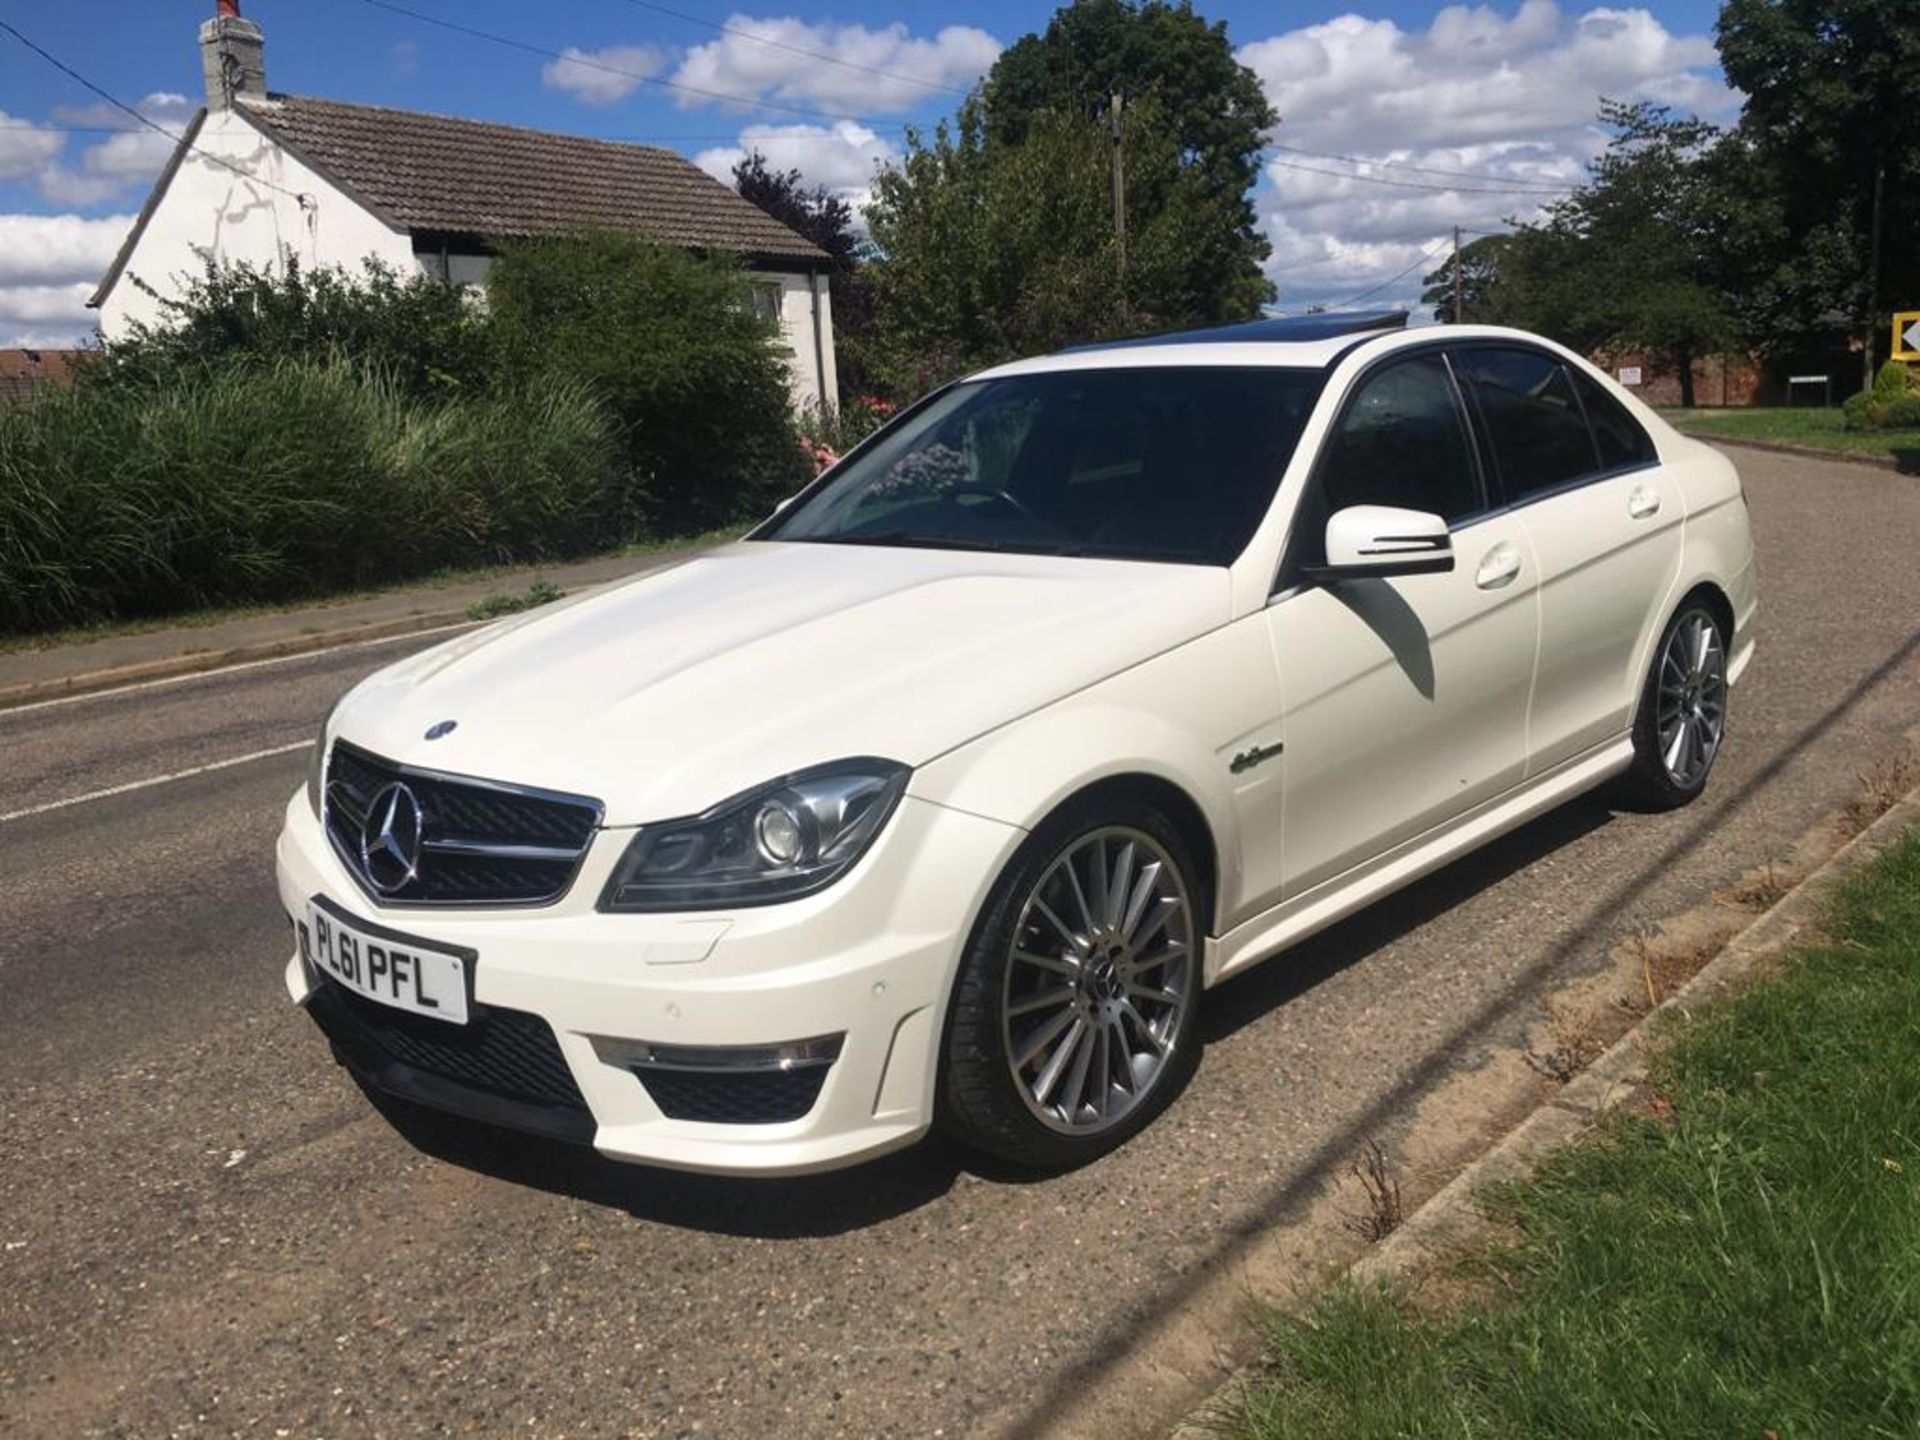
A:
(766, 300)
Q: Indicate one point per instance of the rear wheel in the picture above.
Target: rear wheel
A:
(1072, 1019)
(1682, 716)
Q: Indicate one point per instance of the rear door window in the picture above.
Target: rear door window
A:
(1533, 419)
(1622, 444)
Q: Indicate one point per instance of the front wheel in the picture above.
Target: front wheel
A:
(1072, 1018)
(1682, 716)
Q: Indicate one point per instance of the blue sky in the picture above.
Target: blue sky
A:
(1466, 115)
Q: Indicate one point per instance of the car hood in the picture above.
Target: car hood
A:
(664, 694)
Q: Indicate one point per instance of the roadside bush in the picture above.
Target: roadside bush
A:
(281, 479)
(428, 338)
(693, 380)
(1892, 404)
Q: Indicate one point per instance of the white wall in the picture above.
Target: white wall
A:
(210, 211)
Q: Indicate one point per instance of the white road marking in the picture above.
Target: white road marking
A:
(132, 785)
(236, 669)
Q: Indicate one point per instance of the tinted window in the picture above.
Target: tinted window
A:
(1402, 441)
(1540, 437)
(1616, 434)
(1173, 463)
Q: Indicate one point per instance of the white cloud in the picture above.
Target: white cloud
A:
(603, 77)
(49, 265)
(1508, 97)
(25, 152)
(840, 156)
(110, 167)
(878, 70)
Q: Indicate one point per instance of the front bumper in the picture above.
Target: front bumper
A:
(871, 959)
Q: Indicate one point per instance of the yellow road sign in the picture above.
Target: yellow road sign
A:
(1906, 335)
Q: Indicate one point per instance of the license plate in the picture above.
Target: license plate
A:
(401, 971)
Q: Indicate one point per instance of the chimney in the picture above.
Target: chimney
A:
(233, 57)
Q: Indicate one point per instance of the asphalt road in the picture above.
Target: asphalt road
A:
(205, 1229)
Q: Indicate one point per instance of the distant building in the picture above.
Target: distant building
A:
(262, 179)
(23, 373)
(1727, 379)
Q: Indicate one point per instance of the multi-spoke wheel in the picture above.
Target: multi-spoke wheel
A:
(1072, 1019)
(1683, 712)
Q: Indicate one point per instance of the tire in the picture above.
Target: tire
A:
(1686, 686)
(1038, 954)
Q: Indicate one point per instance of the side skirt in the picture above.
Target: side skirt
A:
(1291, 921)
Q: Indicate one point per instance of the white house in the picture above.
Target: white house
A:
(262, 178)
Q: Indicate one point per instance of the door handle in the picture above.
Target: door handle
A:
(1499, 567)
(1643, 502)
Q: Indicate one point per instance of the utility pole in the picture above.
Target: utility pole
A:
(1873, 278)
(1114, 111)
(1456, 274)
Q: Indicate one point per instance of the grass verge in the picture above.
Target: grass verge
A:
(1739, 1258)
(1814, 426)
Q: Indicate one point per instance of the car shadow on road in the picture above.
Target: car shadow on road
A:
(768, 1208)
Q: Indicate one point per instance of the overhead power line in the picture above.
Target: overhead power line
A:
(1411, 184)
(1422, 169)
(119, 104)
(1426, 257)
(819, 55)
(588, 62)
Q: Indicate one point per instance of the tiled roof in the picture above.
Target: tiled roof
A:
(433, 172)
(24, 371)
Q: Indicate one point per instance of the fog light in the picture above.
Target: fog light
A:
(725, 1059)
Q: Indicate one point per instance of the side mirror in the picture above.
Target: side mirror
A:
(1381, 540)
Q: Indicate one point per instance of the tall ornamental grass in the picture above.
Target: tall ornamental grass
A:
(285, 478)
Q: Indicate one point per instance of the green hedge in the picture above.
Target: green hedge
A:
(283, 436)
(281, 479)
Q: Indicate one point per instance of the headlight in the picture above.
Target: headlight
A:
(790, 837)
(317, 762)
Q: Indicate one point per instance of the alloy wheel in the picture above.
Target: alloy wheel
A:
(1692, 709)
(1101, 972)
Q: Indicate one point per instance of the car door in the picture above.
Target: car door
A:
(1604, 522)
(1404, 700)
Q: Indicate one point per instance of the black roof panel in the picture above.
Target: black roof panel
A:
(1285, 329)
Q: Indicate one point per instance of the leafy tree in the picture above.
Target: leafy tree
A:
(1641, 257)
(991, 251)
(1207, 103)
(828, 221)
(1830, 106)
(817, 213)
(1481, 299)
(666, 340)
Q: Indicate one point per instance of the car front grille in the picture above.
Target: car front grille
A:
(764, 1097)
(503, 1065)
(480, 842)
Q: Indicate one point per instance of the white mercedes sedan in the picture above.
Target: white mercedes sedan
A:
(943, 797)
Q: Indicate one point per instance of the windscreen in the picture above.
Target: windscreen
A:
(1176, 464)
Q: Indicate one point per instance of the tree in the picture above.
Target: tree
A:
(817, 213)
(1210, 104)
(995, 237)
(828, 221)
(989, 252)
(1481, 299)
(1643, 256)
(1829, 113)
(668, 343)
